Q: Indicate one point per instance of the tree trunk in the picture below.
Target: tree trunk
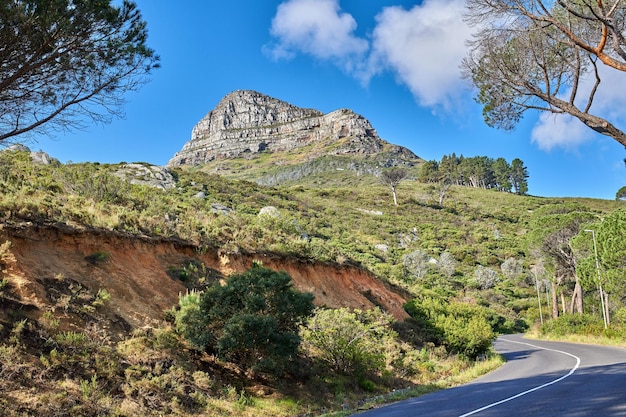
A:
(442, 192)
(606, 308)
(563, 302)
(555, 301)
(577, 299)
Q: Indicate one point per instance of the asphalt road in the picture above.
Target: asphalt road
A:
(539, 379)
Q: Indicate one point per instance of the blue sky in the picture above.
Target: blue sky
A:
(393, 62)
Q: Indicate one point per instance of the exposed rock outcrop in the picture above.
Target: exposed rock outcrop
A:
(39, 157)
(247, 122)
(146, 174)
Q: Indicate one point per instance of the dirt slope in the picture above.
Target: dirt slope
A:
(48, 263)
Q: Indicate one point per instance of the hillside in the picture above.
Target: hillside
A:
(95, 257)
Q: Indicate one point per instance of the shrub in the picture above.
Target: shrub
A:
(485, 278)
(511, 268)
(97, 257)
(102, 297)
(416, 263)
(573, 324)
(253, 320)
(464, 328)
(352, 342)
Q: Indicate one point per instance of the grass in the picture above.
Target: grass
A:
(617, 340)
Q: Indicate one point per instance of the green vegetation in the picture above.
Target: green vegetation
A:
(253, 320)
(97, 257)
(529, 56)
(463, 328)
(471, 265)
(392, 177)
(351, 342)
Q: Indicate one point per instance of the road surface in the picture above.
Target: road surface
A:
(539, 379)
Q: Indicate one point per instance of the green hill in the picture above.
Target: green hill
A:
(89, 346)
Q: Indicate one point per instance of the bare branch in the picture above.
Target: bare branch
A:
(63, 61)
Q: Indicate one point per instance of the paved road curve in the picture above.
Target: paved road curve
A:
(539, 379)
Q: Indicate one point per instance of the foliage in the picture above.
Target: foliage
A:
(573, 324)
(352, 342)
(447, 264)
(621, 193)
(253, 320)
(416, 263)
(610, 239)
(553, 227)
(612, 252)
(345, 221)
(464, 328)
(65, 60)
(97, 257)
(511, 268)
(538, 55)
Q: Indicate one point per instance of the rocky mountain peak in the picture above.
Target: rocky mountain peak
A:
(246, 122)
(246, 109)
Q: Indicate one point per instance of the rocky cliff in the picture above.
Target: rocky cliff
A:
(246, 122)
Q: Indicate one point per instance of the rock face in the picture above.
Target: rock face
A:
(246, 122)
(146, 174)
(37, 157)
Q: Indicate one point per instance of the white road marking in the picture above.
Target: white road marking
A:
(532, 389)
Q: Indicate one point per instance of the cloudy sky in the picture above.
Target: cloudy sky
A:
(394, 62)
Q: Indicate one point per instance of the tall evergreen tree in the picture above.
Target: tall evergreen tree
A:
(429, 171)
(449, 167)
(502, 174)
(519, 174)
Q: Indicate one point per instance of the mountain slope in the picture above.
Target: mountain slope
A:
(90, 259)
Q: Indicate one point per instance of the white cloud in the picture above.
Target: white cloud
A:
(424, 47)
(318, 28)
(559, 131)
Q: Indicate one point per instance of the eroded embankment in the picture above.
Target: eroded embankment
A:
(134, 271)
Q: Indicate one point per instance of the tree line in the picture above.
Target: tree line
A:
(478, 172)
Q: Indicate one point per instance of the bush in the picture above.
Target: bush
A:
(97, 257)
(573, 324)
(464, 328)
(253, 320)
(485, 278)
(351, 342)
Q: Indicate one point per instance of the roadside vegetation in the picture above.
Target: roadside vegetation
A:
(474, 253)
(478, 264)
